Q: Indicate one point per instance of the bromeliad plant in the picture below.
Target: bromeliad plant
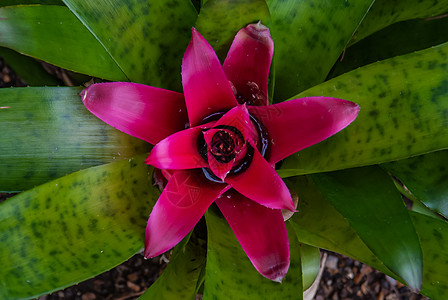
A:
(220, 140)
(229, 149)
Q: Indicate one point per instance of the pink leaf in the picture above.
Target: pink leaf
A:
(261, 232)
(145, 112)
(182, 203)
(206, 87)
(299, 123)
(178, 151)
(248, 62)
(262, 184)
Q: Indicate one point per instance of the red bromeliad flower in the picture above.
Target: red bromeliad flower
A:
(219, 142)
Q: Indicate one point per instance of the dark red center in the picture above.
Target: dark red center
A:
(223, 146)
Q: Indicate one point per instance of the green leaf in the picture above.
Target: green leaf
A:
(433, 235)
(395, 40)
(404, 109)
(386, 12)
(53, 34)
(220, 20)
(310, 264)
(368, 199)
(146, 39)
(178, 280)
(230, 274)
(25, 2)
(319, 224)
(27, 68)
(426, 176)
(47, 133)
(309, 36)
(73, 228)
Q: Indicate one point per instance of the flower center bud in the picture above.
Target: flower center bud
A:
(223, 146)
(228, 143)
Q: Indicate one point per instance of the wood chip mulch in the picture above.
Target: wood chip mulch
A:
(347, 279)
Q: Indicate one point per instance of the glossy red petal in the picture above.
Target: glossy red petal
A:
(261, 232)
(248, 62)
(262, 184)
(145, 112)
(206, 87)
(178, 151)
(182, 203)
(239, 118)
(296, 124)
(219, 169)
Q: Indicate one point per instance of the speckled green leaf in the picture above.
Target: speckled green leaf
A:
(147, 39)
(310, 257)
(27, 68)
(53, 34)
(219, 21)
(73, 228)
(319, 224)
(386, 12)
(22, 2)
(309, 36)
(426, 176)
(368, 199)
(404, 112)
(230, 274)
(47, 133)
(397, 39)
(179, 279)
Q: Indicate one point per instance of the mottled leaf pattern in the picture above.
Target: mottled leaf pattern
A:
(219, 21)
(73, 228)
(147, 39)
(309, 36)
(401, 114)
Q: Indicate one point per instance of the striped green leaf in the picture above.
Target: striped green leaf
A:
(47, 133)
(147, 39)
(73, 228)
(53, 34)
(404, 109)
